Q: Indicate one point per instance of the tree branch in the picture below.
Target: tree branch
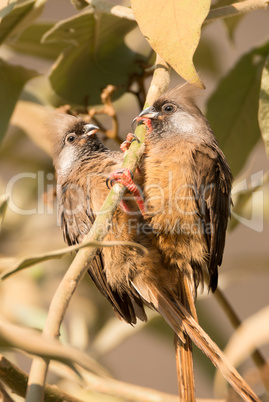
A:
(16, 380)
(231, 10)
(100, 228)
(236, 9)
(4, 397)
(130, 392)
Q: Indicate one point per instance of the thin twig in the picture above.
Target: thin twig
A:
(100, 228)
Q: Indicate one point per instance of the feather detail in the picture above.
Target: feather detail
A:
(183, 93)
(184, 363)
(183, 351)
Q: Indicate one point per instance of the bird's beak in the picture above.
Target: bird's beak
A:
(148, 113)
(90, 129)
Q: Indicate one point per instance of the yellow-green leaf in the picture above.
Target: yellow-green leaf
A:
(18, 18)
(232, 110)
(173, 29)
(97, 51)
(264, 106)
(12, 81)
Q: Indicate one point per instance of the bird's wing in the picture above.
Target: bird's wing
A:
(76, 221)
(214, 181)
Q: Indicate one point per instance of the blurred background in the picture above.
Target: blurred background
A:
(143, 355)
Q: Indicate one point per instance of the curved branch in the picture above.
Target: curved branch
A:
(16, 380)
(236, 9)
(231, 10)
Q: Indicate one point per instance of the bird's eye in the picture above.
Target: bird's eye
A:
(70, 138)
(168, 108)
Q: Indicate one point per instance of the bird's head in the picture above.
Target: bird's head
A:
(72, 140)
(175, 112)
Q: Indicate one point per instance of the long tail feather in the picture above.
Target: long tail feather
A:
(185, 377)
(181, 321)
(183, 351)
(205, 343)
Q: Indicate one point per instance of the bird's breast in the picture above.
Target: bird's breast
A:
(171, 201)
(170, 185)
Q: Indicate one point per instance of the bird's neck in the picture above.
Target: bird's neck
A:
(88, 164)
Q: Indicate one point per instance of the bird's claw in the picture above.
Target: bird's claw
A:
(129, 139)
(109, 183)
(120, 175)
(125, 176)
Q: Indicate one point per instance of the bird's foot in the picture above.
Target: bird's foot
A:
(124, 176)
(129, 139)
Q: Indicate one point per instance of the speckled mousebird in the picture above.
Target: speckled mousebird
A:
(128, 278)
(187, 193)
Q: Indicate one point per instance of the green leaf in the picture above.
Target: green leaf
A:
(29, 42)
(12, 80)
(232, 110)
(33, 260)
(206, 56)
(7, 9)
(96, 55)
(19, 18)
(264, 106)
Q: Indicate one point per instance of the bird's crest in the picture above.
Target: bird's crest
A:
(186, 93)
(57, 124)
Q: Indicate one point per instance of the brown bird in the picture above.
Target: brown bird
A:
(187, 191)
(184, 161)
(124, 275)
(82, 165)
